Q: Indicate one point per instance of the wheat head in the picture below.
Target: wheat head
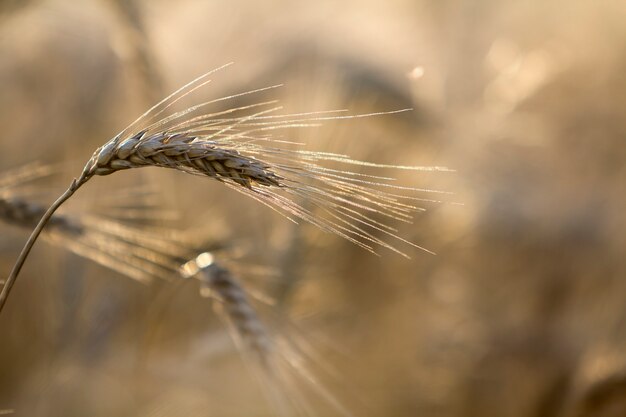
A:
(280, 364)
(183, 152)
(238, 147)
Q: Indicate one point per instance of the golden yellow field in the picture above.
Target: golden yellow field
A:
(521, 312)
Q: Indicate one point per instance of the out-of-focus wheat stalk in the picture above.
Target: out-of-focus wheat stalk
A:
(133, 44)
(237, 147)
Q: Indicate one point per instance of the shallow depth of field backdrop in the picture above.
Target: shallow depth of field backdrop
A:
(522, 313)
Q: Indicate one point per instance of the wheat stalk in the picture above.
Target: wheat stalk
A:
(235, 147)
(130, 31)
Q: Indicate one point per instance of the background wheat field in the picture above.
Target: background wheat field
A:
(521, 313)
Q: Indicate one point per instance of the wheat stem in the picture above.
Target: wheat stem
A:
(6, 289)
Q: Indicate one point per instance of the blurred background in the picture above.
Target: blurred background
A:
(520, 314)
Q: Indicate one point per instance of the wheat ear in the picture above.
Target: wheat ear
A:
(279, 363)
(219, 283)
(24, 213)
(171, 151)
(225, 146)
(140, 253)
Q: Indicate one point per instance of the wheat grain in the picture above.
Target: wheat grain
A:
(182, 152)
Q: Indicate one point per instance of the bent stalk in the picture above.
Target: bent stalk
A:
(6, 289)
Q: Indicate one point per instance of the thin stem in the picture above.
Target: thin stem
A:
(6, 289)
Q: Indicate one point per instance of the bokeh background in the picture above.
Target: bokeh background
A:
(520, 314)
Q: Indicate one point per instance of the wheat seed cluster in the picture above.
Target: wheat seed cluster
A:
(183, 152)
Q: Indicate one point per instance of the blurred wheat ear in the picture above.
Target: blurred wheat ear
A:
(139, 251)
(279, 364)
(236, 147)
